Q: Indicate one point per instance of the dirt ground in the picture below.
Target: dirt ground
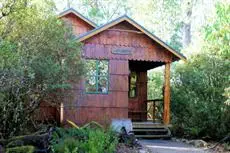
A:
(168, 146)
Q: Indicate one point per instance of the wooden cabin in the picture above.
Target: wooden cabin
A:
(118, 55)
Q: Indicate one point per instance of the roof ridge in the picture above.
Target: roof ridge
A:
(69, 10)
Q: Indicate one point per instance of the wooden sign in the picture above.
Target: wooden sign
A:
(122, 51)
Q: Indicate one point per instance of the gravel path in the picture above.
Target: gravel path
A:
(168, 146)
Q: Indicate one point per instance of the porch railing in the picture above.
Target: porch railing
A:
(155, 110)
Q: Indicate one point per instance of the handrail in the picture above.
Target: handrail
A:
(154, 107)
(153, 100)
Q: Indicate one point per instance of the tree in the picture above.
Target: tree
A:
(10, 6)
(104, 11)
(198, 102)
(155, 84)
(38, 58)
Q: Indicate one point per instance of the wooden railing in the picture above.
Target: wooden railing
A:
(155, 110)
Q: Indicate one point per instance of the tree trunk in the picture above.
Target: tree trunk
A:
(186, 34)
(186, 29)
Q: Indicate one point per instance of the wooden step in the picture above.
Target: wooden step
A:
(149, 130)
(148, 126)
(152, 136)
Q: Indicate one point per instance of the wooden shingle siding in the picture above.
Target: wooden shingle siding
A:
(101, 46)
(100, 51)
(128, 47)
(78, 25)
(82, 108)
(83, 115)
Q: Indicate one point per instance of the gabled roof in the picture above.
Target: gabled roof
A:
(71, 10)
(136, 25)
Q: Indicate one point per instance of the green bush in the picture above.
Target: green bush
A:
(84, 140)
(68, 145)
(34, 70)
(227, 146)
(198, 104)
(21, 149)
(100, 141)
(199, 86)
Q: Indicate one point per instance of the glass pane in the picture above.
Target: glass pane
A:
(90, 85)
(133, 78)
(102, 84)
(133, 84)
(103, 67)
(91, 67)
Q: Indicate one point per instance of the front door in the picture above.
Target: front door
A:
(137, 95)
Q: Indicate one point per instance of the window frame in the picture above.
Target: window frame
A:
(97, 78)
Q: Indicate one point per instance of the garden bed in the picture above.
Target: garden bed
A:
(89, 138)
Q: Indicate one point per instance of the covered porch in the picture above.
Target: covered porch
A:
(150, 112)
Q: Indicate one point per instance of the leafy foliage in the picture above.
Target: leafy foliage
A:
(38, 58)
(198, 103)
(83, 140)
(217, 34)
(155, 84)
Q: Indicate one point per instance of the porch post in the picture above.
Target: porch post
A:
(166, 114)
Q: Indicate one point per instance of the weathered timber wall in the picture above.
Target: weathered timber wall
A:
(78, 25)
(102, 45)
(82, 108)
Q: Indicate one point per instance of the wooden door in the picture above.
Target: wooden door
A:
(138, 96)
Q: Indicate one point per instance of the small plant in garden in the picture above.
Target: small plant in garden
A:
(227, 146)
(91, 138)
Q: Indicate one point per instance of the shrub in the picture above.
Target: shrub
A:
(227, 146)
(198, 108)
(100, 141)
(68, 145)
(37, 60)
(21, 149)
(200, 86)
(83, 140)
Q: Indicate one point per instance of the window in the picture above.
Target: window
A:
(97, 76)
(133, 85)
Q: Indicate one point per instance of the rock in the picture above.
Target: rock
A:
(117, 125)
(173, 139)
(198, 143)
(127, 138)
(183, 140)
(40, 141)
(187, 141)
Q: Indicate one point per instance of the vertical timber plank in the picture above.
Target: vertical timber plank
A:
(166, 117)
